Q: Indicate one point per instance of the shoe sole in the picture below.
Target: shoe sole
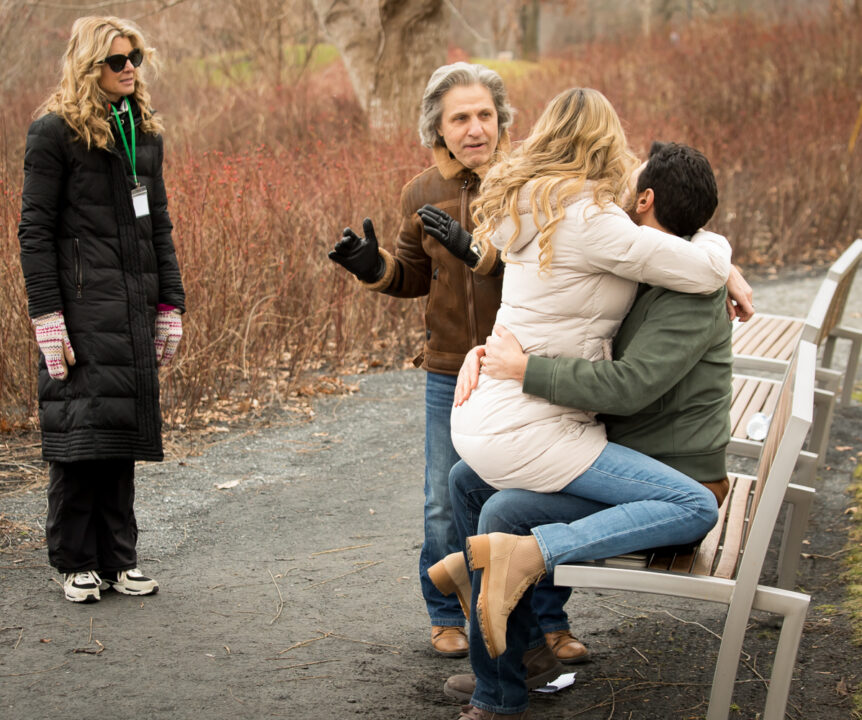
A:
(89, 598)
(479, 556)
(451, 654)
(575, 660)
(138, 593)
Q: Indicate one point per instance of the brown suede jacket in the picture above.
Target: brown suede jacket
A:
(462, 304)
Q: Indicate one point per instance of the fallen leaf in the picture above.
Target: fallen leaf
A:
(843, 448)
(227, 485)
(91, 651)
(841, 687)
(851, 510)
(45, 640)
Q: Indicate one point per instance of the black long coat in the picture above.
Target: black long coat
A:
(83, 252)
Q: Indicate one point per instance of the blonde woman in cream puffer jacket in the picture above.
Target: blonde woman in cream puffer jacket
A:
(514, 440)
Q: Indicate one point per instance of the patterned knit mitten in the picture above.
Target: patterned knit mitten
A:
(54, 343)
(169, 331)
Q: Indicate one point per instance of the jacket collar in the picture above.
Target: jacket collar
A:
(121, 110)
(449, 167)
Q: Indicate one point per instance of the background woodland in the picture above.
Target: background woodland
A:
(287, 121)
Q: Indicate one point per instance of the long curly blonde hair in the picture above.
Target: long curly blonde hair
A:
(577, 140)
(78, 99)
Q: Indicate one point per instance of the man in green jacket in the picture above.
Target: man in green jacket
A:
(666, 393)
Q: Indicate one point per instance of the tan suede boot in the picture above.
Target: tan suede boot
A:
(450, 575)
(510, 564)
(566, 647)
(449, 641)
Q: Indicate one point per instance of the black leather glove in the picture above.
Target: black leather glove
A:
(449, 233)
(359, 255)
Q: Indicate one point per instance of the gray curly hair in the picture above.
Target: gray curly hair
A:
(444, 79)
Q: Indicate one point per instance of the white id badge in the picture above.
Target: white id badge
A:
(139, 201)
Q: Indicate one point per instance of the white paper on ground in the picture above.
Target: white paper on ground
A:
(564, 681)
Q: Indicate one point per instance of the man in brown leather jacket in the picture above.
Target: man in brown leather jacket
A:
(464, 118)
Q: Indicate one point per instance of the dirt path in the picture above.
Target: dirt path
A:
(256, 619)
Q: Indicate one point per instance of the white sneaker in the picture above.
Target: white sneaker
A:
(131, 582)
(82, 586)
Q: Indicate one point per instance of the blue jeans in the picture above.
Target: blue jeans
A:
(440, 536)
(470, 494)
(643, 504)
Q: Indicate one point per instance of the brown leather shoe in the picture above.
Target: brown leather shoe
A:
(468, 712)
(449, 641)
(450, 575)
(566, 647)
(541, 666)
(510, 564)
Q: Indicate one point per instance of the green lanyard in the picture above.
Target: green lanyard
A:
(129, 154)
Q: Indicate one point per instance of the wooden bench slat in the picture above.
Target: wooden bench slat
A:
(743, 390)
(777, 338)
(784, 345)
(761, 335)
(734, 533)
(759, 395)
(706, 553)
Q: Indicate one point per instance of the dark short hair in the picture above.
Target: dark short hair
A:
(683, 183)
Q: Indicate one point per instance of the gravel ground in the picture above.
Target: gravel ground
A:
(295, 593)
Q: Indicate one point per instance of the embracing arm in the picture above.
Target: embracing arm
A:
(675, 334)
(614, 244)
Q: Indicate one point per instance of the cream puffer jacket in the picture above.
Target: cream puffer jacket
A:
(515, 440)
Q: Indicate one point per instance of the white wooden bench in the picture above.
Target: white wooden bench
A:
(726, 566)
(768, 341)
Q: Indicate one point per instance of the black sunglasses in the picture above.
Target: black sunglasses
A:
(118, 62)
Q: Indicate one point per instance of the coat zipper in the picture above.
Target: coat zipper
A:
(79, 272)
(468, 277)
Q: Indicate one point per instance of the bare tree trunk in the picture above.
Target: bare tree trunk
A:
(390, 49)
(645, 8)
(530, 13)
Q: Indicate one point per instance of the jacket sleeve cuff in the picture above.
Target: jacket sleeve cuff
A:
(388, 273)
(487, 263)
(538, 377)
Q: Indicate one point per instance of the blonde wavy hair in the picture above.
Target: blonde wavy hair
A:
(78, 99)
(577, 140)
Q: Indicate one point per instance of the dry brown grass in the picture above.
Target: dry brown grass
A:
(262, 178)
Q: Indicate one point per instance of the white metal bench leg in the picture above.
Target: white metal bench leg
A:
(849, 374)
(855, 338)
(798, 499)
(793, 606)
(727, 664)
(824, 407)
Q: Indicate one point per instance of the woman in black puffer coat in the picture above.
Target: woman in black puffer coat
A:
(105, 297)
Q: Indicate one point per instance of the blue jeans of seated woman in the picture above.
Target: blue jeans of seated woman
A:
(469, 494)
(440, 536)
(647, 504)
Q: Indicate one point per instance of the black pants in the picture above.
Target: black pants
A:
(91, 520)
